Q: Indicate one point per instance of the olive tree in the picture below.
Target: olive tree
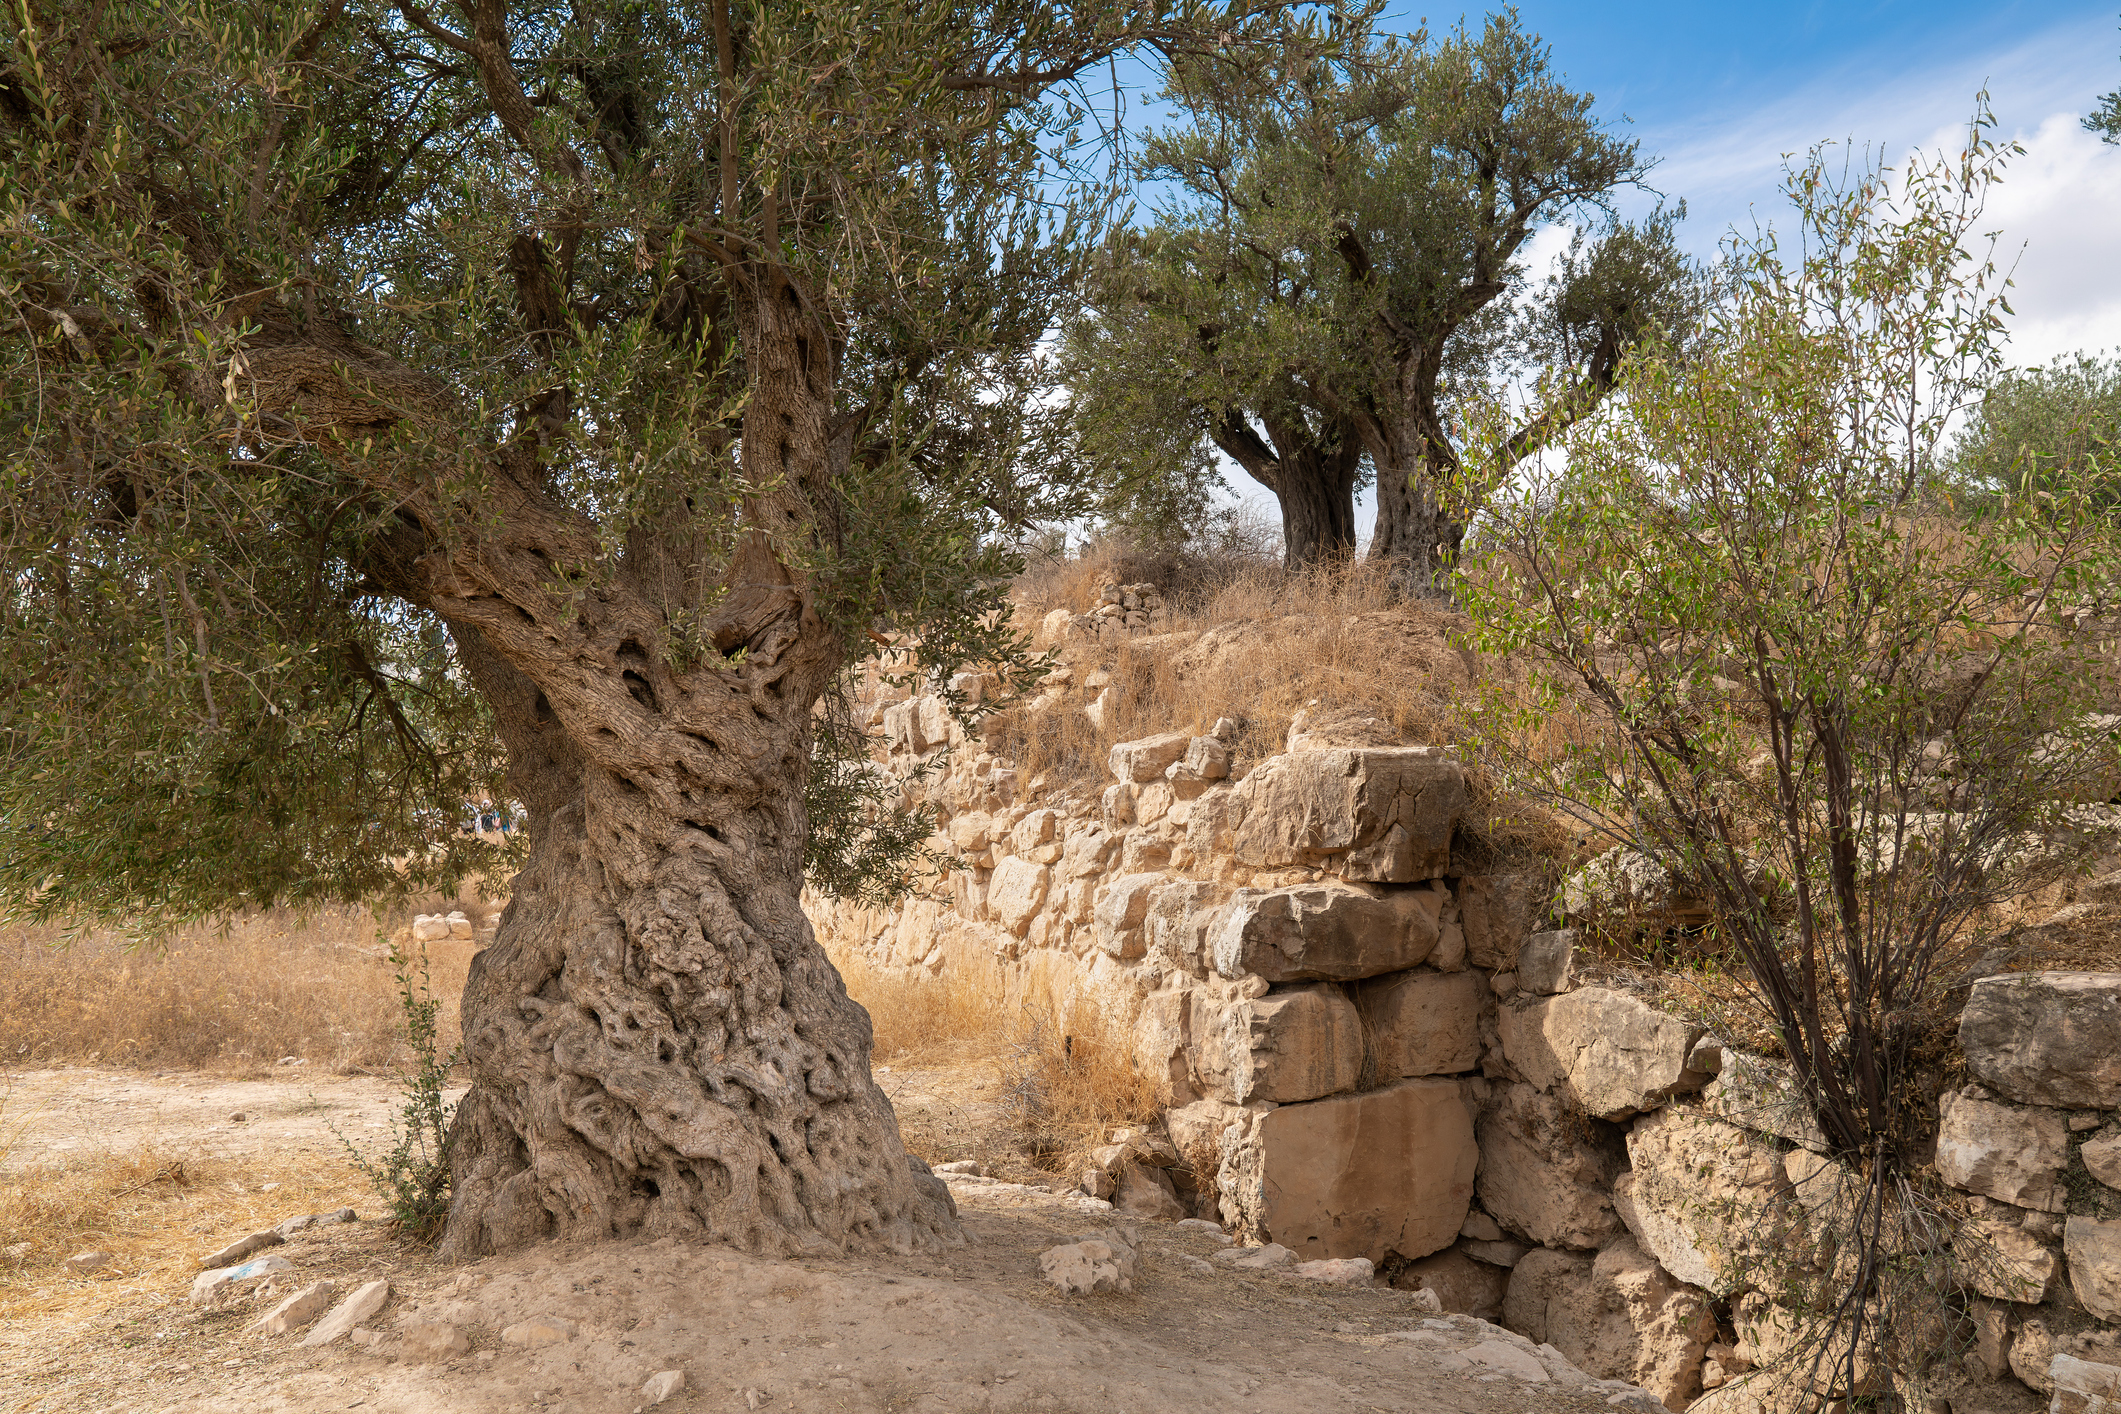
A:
(1846, 709)
(401, 394)
(1338, 265)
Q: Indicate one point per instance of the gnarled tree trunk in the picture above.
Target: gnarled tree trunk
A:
(657, 1043)
(1312, 478)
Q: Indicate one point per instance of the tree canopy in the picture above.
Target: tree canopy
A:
(336, 323)
(1337, 265)
(399, 396)
(2040, 428)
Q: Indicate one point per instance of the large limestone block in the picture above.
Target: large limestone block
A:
(1321, 932)
(1425, 1023)
(2094, 1252)
(2011, 1153)
(1015, 892)
(2046, 1038)
(1356, 1175)
(2083, 1387)
(1547, 1172)
(1146, 760)
(1611, 1054)
(1620, 1317)
(1707, 1199)
(1294, 1045)
(1498, 912)
(1388, 811)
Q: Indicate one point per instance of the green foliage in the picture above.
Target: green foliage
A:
(1845, 707)
(412, 1177)
(1337, 265)
(2041, 428)
(301, 300)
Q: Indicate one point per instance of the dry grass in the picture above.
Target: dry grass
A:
(154, 1211)
(1261, 645)
(1245, 640)
(1068, 1069)
(228, 996)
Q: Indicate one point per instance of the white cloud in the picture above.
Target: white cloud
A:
(2056, 211)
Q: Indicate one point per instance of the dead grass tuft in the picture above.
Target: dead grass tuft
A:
(227, 996)
(154, 1211)
(1069, 1071)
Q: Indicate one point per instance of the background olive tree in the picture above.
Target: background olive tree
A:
(1336, 268)
(1844, 707)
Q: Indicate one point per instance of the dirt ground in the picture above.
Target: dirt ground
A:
(972, 1329)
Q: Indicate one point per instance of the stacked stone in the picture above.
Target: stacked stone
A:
(1377, 1057)
(2036, 1139)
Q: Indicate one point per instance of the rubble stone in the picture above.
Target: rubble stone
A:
(2094, 1252)
(1544, 961)
(2102, 1159)
(1543, 1173)
(1461, 1284)
(2004, 1262)
(1619, 1316)
(1498, 912)
(1705, 1198)
(2014, 1154)
(2081, 1387)
(1613, 1055)
(1143, 761)
(1016, 892)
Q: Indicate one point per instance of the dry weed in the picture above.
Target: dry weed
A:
(1069, 1070)
(228, 996)
(155, 1211)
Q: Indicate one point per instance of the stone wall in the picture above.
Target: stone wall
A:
(1369, 1047)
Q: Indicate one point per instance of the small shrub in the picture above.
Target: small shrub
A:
(412, 1177)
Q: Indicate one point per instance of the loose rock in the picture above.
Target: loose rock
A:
(242, 1247)
(82, 1263)
(1096, 1262)
(365, 1302)
(1256, 1259)
(1338, 1271)
(662, 1384)
(218, 1287)
(297, 1310)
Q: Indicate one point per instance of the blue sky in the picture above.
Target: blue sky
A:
(1719, 92)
